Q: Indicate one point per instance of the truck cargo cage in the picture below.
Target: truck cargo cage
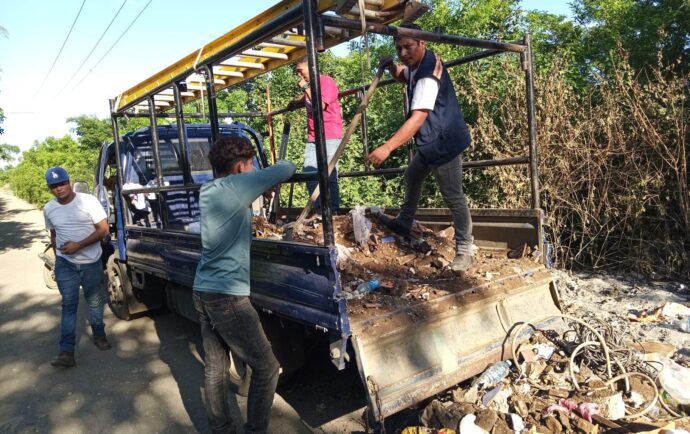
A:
(400, 361)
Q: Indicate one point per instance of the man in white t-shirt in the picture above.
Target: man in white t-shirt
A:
(77, 223)
(437, 124)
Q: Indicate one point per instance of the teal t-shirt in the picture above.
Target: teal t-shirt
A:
(226, 227)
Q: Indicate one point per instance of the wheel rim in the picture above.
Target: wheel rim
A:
(115, 291)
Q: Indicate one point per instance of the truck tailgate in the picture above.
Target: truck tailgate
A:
(407, 355)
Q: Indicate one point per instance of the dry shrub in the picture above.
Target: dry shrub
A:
(613, 162)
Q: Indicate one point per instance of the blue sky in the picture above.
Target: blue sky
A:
(165, 32)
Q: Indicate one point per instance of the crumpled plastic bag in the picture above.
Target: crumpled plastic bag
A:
(361, 225)
(675, 378)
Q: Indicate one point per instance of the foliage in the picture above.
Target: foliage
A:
(27, 178)
(7, 152)
(91, 131)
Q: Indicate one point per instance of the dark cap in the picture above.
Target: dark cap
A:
(56, 175)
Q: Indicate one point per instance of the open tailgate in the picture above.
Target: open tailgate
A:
(408, 355)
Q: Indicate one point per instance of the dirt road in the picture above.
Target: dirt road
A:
(152, 379)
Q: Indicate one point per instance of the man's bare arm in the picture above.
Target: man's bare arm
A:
(404, 133)
(101, 230)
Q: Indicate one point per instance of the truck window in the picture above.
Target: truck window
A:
(198, 159)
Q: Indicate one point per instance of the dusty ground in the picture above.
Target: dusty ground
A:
(613, 298)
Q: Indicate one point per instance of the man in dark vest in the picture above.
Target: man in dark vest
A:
(437, 124)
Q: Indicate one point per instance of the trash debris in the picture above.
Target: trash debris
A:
(675, 379)
(684, 325)
(361, 225)
(671, 309)
(493, 374)
(467, 426)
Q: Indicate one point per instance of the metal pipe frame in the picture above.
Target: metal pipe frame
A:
(476, 164)
(118, 160)
(526, 59)
(365, 131)
(182, 135)
(157, 158)
(311, 25)
(212, 107)
(383, 29)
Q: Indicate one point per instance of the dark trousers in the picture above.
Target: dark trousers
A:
(69, 277)
(449, 179)
(230, 323)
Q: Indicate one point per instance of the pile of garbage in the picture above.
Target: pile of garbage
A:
(588, 379)
(387, 268)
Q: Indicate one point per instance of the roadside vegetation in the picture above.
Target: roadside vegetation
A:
(612, 93)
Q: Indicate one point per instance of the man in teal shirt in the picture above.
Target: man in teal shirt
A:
(221, 284)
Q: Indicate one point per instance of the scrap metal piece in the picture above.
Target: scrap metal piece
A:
(413, 10)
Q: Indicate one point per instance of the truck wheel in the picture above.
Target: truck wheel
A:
(49, 273)
(240, 375)
(118, 287)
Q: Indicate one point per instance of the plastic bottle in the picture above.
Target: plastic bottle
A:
(684, 324)
(493, 374)
(367, 287)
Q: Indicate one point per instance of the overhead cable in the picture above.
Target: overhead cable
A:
(114, 44)
(61, 48)
(94, 47)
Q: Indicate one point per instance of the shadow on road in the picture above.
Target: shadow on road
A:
(127, 388)
(14, 234)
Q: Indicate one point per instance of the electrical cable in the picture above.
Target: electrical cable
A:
(114, 44)
(93, 48)
(61, 48)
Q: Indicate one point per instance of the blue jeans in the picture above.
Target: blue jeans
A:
(69, 277)
(449, 179)
(230, 322)
(311, 166)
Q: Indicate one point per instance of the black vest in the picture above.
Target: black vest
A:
(444, 134)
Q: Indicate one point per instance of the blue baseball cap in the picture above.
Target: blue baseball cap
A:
(56, 175)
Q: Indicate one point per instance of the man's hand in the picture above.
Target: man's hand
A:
(379, 155)
(295, 103)
(268, 194)
(438, 69)
(302, 82)
(386, 62)
(70, 247)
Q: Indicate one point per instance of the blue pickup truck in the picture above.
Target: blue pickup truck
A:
(403, 354)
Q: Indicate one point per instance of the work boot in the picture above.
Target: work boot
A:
(101, 342)
(63, 360)
(461, 263)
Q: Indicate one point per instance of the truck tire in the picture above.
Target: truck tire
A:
(118, 288)
(48, 272)
(240, 375)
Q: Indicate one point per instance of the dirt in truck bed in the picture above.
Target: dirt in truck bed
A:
(410, 273)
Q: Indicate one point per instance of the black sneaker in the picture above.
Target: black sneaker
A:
(101, 342)
(63, 360)
(394, 225)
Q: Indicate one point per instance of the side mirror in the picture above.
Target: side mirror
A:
(81, 187)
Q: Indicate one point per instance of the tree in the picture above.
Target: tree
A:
(7, 152)
(26, 179)
(91, 131)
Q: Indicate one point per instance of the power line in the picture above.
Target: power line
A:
(94, 48)
(114, 44)
(61, 48)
